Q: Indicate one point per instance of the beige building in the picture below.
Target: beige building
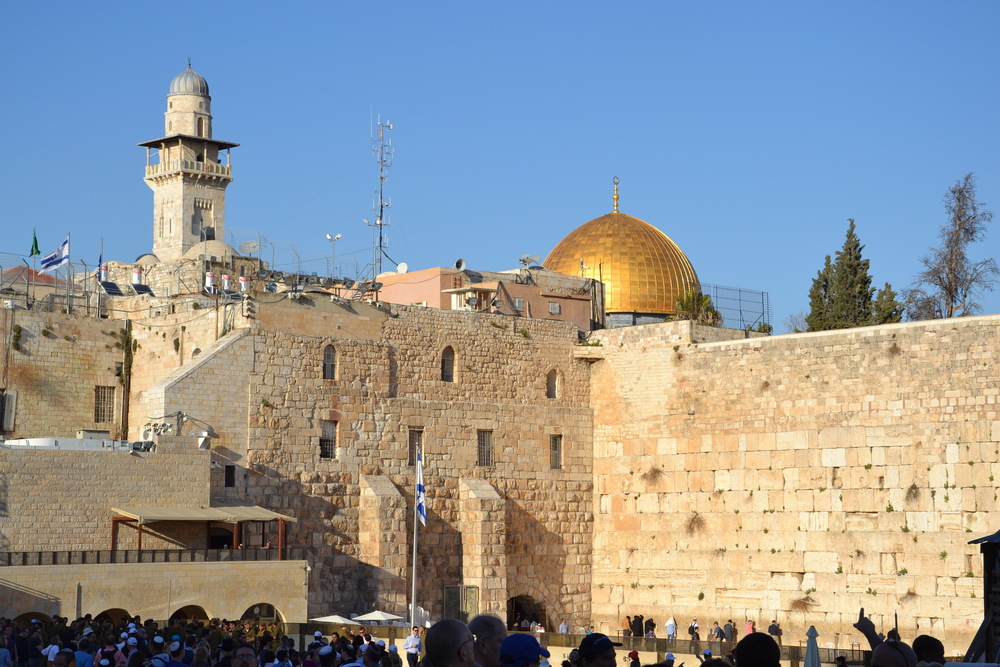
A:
(665, 469)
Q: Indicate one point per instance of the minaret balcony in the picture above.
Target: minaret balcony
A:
(188, 166)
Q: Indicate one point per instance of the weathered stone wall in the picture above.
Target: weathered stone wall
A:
(60, 361)
(796, 477)
(155, 590)
(61, 500)
(389, 381)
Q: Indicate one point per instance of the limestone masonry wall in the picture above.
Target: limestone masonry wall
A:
(797, 477)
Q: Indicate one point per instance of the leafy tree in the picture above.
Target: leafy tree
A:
(950, 281)
(842, 295)
(698, 307)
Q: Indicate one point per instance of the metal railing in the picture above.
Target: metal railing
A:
(685, 650)
(20, 558)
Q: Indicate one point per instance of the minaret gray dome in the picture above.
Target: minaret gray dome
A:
(189, 82)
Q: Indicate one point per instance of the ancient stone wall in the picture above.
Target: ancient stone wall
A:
(389, 381)
(61, 500)
(54, 362)
(796, 477)
(155, 590)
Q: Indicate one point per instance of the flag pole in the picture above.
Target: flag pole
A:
(413, 573)
(69, 270)
(34, 235)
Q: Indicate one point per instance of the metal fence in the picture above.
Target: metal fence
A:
(19, 558)
(740, 308)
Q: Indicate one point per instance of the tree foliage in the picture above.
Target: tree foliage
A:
(698, 307)
(842, 295)
(949, 282)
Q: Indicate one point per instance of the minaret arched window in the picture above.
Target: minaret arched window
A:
(202, 125)
(448, 364)
(330, 363)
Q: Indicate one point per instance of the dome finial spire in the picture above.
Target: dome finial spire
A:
(615, 181)
(189, 63)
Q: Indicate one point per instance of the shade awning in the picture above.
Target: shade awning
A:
(222, 512)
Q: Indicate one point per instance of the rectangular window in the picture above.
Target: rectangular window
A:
(230, 476)
(104, 404)
(416, 445)
(517, 303)
(555, 452)
(461, 602)
(554, 308)
(484, 448)
(328, 440)
(8, 404)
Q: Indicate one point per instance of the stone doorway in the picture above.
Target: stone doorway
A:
(525, 608)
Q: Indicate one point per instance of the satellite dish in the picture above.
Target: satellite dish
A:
(471, 301)
(248, 247)
(402, 268)
(460, 265)
(277, 276)
(263, 274)
(291, 279)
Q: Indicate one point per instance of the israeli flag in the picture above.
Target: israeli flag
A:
(421, 499)
(56, 259)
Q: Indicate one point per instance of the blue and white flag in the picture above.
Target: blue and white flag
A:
(56, 259)
(421, 499)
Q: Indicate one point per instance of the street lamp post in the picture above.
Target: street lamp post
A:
(333, 253)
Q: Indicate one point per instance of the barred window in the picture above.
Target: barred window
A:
(328, 440)
(484, 447)
(448, 364)
(517, 303)
(330, 363)
(416, 445)
(554, 308)
(555, 452)
(104, 404)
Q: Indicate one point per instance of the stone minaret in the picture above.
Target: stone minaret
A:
(185, 171)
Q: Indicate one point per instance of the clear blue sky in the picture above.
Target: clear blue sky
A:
(747, 132)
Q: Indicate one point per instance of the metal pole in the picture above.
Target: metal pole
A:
(413, 576)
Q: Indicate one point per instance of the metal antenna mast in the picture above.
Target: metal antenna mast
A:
(383, 151)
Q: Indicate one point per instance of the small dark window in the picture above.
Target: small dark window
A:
(448, 365)
(328, 440)
(330, 363)
(552, 384)
(484, 447)
(104, 404)
(230, 476)
(416, 445)
(555, 452)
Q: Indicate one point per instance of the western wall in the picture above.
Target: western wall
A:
(796, 477)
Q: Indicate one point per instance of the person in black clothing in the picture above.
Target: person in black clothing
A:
(637, 626)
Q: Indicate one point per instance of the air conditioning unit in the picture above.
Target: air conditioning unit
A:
(91, 434)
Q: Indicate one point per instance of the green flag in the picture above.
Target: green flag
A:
(34, 245)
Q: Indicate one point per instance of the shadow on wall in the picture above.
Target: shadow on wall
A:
(14, 596)
(532, 548)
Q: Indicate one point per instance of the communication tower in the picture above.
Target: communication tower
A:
(383, 150)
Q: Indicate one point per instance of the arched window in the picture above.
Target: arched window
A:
(330, 363)
(552, 384)
(448, 365)
(201, 128)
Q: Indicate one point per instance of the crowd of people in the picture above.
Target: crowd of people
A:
(639, 626)
(484, 642)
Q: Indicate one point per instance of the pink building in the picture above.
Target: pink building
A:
(533, 292)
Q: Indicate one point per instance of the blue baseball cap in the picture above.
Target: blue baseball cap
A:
(520, 649)
(595, 644)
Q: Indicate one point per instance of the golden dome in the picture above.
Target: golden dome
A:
(642, 269)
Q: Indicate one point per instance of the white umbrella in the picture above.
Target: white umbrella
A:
(335, 618)
(381, 616)
(812, 648)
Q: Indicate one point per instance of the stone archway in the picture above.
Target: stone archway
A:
(524, 607)
(191, 612)
(115, 615)
(27, 617)
(263, 611)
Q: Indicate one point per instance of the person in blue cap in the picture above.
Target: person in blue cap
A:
(521, 650)
(596, 650)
